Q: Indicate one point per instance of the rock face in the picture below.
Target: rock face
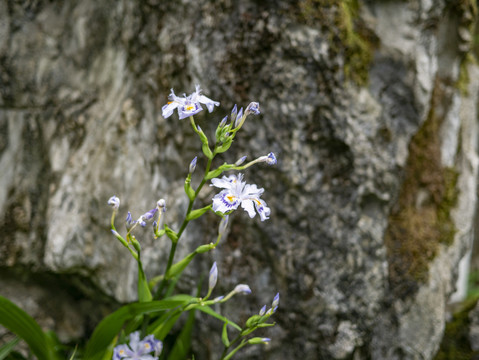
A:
(371, 108)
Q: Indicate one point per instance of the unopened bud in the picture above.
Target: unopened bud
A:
(193, 165)
(223, 122)
(242, 288)
(213, 277)
(240, 161)
(238, 118)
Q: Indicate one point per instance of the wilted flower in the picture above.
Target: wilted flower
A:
(138, 350)
(129, 221)
(253, 108)
(147, 216)
(235, 193)
(114, 202)
(187, 105)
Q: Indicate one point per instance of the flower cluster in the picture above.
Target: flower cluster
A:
(138, 350)
(236, 193)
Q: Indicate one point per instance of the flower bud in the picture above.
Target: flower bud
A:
(275, 301)
(262, 311)
(242, 288)
(223, 122)
(234, 111)
(258, 340)
(213, 277)
(240, 161)
(238, 118)
(193, 165)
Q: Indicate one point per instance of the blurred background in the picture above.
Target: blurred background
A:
(369, 105)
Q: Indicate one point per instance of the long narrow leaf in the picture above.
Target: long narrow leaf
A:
(8, 348)
(183, 342)
(24, 326)
(109, 327)
(210, 311)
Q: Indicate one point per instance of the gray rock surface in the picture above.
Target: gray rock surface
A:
(81, 89)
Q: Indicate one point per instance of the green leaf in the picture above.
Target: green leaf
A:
(213, 173)
(24, 326)
(224, 335)
(207, 151)
(109, 327)
(225, 146)
(8, 348)
(171, 234)
(144, 293)
(197, 213)
(183, 342)
(164, 327)
(210, 311)
(180, 266)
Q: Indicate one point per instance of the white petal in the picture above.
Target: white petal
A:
(210, 104)
(247, 205)
(224, 182)
(167, 109)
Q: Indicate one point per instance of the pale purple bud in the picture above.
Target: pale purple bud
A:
(223, 122)
(275, 301)
(219, 298)
(253, 108)
(213, 277)
(114, 202)
(193, 164)
(198, 128)
(238, 118)
(234, 112)
(240, 161)
(266, 340)
(262, 311)
(242, 288)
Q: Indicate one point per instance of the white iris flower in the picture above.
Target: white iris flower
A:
(235, 193)
(187, 105)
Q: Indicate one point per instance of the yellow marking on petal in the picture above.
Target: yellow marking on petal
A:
(230, 198)
(121, 352)
(189, 107)
(147, 346)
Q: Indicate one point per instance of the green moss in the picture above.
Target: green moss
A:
(455, 343)
(348, 34)
(422, 219)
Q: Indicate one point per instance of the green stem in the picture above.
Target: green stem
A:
(230, 355)
(183, 225)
